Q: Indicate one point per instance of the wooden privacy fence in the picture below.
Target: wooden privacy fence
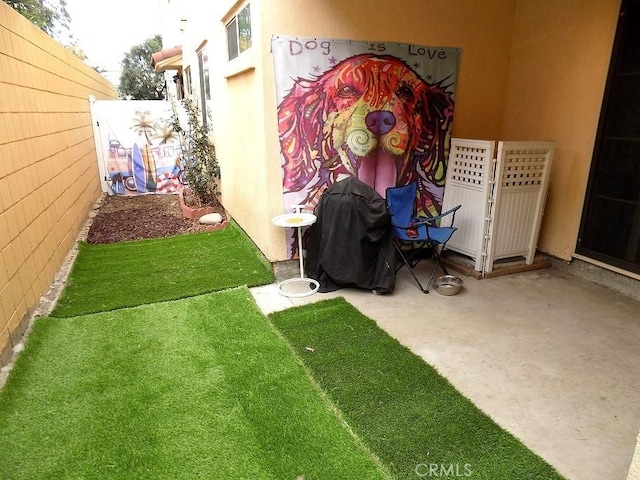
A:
(48, 175)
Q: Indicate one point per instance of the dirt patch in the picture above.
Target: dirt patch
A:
(123, 218)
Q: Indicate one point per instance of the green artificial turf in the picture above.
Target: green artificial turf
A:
(414, 420)
(202, 387)
(107, 277)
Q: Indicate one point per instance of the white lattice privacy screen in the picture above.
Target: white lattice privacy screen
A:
(502, 192)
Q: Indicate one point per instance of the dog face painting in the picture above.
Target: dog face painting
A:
(370, 116)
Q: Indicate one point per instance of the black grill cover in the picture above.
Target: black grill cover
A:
(350, 245)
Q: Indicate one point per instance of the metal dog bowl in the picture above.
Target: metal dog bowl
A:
(447, 285)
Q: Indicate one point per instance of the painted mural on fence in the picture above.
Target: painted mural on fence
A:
(381, 111)
(140, 150)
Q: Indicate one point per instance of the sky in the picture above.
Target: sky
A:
(106, 31)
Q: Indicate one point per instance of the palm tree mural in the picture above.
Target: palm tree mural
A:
(144, 124)
(165, 133)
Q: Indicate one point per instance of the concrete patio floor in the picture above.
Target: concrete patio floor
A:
(552, 358)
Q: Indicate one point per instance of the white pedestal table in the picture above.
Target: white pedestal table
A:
(297, 220)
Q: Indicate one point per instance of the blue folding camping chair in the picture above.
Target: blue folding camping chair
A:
(416, 235)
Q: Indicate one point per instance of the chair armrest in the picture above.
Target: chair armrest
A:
(428, 220)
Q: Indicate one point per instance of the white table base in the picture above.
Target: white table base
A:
(313, 285)
(310, 282)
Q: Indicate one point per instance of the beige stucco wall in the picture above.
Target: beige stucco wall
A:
(245, 129)
(559, 62)
(48, 168)
(530, 70)
(237, 117)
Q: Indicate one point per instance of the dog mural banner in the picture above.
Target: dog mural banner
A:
(381, 111)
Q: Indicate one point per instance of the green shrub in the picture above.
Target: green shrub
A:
(199, 154)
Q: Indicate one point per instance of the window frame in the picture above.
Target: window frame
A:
(187, 81)
(203, 76)
(234, 29)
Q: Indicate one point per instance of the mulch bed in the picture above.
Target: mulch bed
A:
(126, 218)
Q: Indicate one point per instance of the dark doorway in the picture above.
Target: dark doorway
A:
(610, 226)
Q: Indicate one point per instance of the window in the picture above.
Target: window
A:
(187, 81)
(239, 33)
(205, 89)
